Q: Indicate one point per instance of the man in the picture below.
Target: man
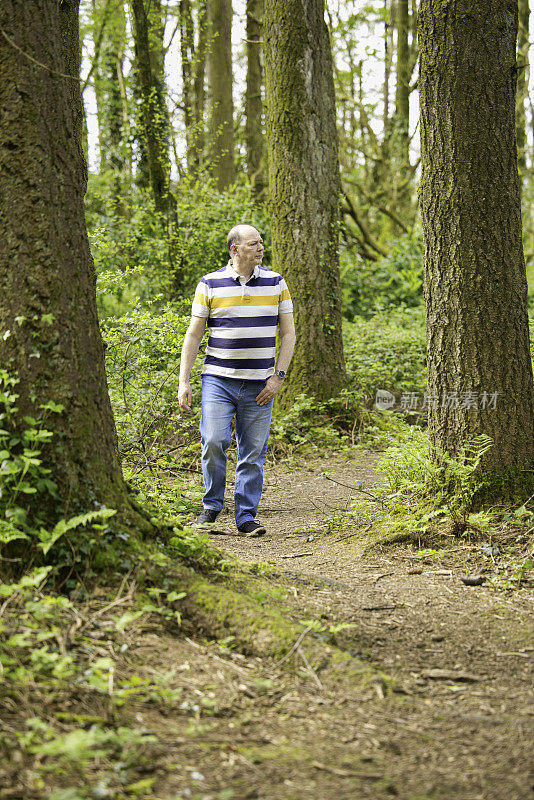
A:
(243, 304)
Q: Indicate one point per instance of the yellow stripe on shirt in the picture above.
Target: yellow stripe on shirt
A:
(201, 299)
(246, 300)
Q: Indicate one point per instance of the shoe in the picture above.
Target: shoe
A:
(251, 528)
(206, 518)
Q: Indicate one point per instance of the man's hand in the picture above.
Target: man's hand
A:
(185, 395)
(270, 390)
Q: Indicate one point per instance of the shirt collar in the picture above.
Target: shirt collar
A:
(230, 271)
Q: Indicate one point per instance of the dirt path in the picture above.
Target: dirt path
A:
(397, 682)
(460, 723)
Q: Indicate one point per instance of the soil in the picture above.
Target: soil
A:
(444, 709)
(452, 716)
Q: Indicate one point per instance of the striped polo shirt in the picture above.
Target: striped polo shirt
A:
(242, 318)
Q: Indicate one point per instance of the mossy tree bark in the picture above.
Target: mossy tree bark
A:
(220, 85)
(475, 281)
(402, 94)
(253, 99)
(47, 278)
(110, 28)
(304, 187)
(389, 26)
(402, 173)
(148, 38)
(199, 80)
(193, 59)
(187, 54)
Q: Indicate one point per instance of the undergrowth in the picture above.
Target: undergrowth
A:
(429, 497)
(68, 691)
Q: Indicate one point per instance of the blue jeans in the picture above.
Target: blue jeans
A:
(222, 398)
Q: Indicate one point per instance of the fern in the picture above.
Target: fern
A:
(49, 538)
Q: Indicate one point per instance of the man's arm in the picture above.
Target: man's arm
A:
(287, 341)
(285, 354)
(192, 340)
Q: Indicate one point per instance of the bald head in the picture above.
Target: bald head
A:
(246, 248)
(238, 233)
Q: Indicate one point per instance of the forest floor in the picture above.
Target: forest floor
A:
(445, 710)
(460, 722)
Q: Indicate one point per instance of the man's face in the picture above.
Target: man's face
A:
(250, 249)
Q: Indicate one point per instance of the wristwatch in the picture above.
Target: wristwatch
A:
(281, 374)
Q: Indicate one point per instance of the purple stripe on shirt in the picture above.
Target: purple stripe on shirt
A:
(264, 281)
(219, 283)
(240, 363)
(243, 322)
(241, 342)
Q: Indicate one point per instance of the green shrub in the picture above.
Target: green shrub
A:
(142, 257)
(386, 351)
(392, 281)
(159, 442)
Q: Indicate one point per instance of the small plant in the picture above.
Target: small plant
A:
(22, 473)
(421, 493)
(513, 571)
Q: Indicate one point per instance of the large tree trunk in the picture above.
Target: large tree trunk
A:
(400, 137)
(253, 100)
(220, 84)
(304, 186)
(389, 26)
(475, 282)
(47, 279)
(155, 120)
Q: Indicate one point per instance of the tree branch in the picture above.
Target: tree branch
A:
(366, 233)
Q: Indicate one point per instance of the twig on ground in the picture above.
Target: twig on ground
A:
(309, 668)
(295, 646)
(230, 664)
(358, 489)
(383, 575)
(297, 555)
(119, 601)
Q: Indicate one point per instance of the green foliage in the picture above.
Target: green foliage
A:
(421, 491)
(142, 362)
(22, 472)
(47, 657)
(373, 287)
(49, 538)
(194, 548)
(383, 352)
(386, 351)
(159, 442)
(28, 496)
(137, 257)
